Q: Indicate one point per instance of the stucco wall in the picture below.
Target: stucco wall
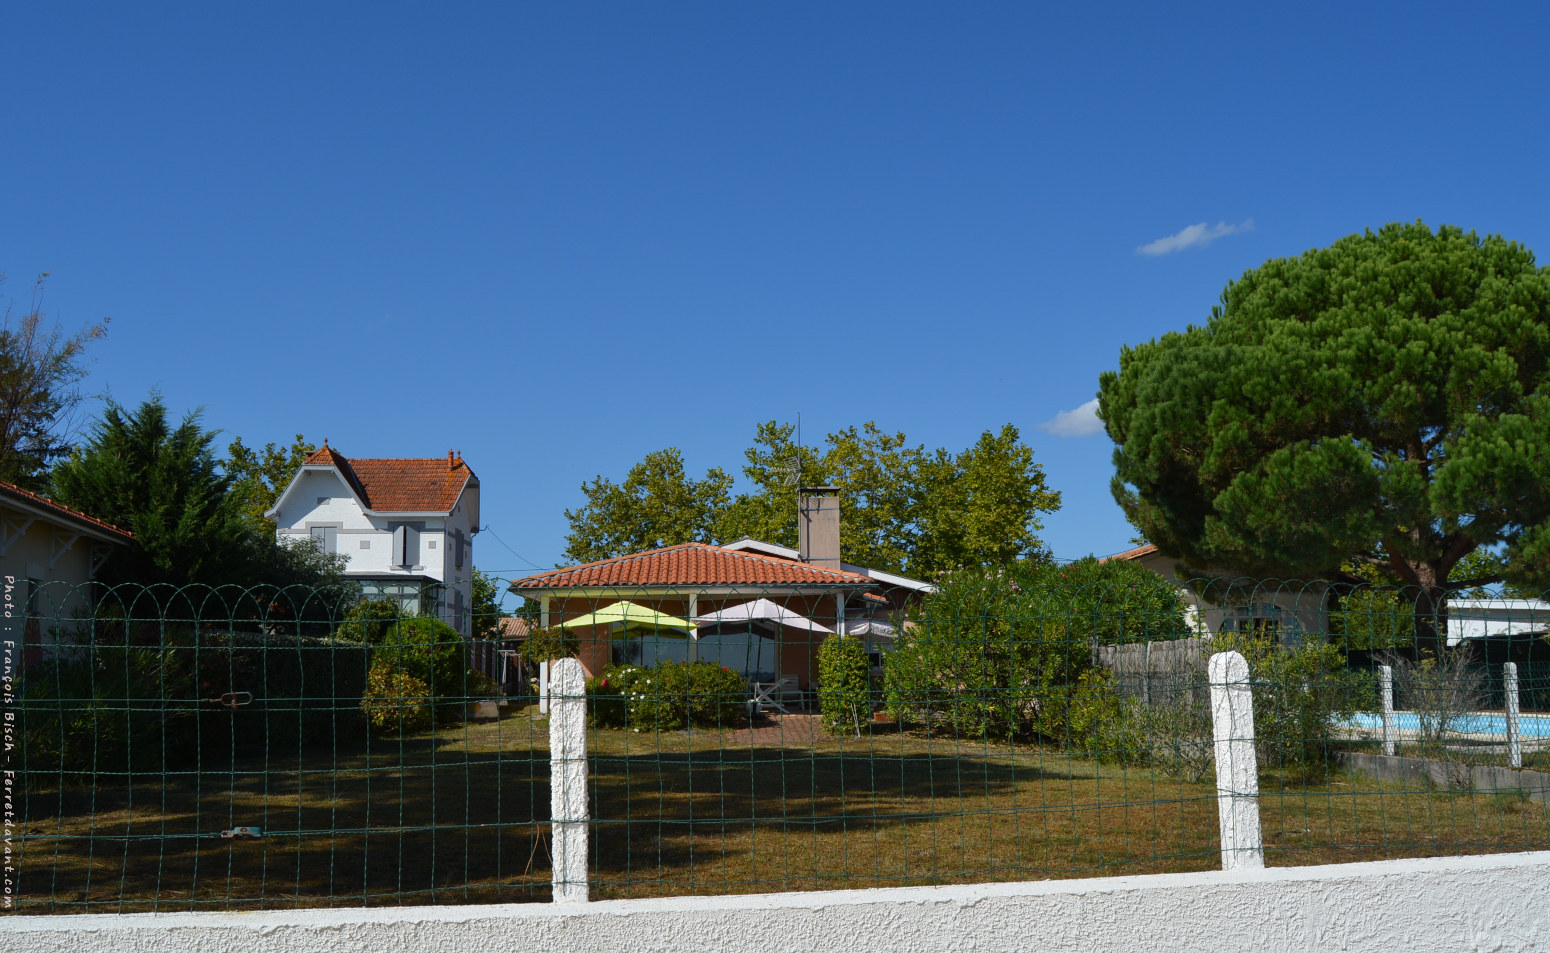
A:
(1498, 902)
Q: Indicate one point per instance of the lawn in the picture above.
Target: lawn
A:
(460, 816)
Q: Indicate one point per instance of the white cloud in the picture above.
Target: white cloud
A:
(1198, 234)
(1081, 422)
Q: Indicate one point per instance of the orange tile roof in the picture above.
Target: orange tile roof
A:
(412, 485)
(16, 492)
(691, 564)
(512, 627)
(1136, 553)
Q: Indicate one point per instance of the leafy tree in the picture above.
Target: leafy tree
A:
(39, 370)
(1379, 400)
(486, 606)
(905, 509)
(258, 477)
(161, 482)
(658, 504)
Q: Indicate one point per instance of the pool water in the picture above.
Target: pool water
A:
(1529, 726)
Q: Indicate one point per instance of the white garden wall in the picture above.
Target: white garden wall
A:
(1496, 902)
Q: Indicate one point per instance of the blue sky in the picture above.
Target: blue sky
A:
(557, 237)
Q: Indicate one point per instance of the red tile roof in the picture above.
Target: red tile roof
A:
(512, 627)
(414, 485)
(1128, 554)
(16, 492)
(691, 564)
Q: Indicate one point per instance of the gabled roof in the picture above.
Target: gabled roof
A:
(689, 565)
(48, 509)
(401, 485)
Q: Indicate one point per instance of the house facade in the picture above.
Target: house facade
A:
(49, 557)
(405, 526)
(1291, 609)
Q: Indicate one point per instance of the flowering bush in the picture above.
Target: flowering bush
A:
(670, 696)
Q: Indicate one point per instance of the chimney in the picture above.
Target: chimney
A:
(818, 525)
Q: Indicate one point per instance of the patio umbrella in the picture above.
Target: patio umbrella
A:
(630, 615)
(760, 610)
(872, 629)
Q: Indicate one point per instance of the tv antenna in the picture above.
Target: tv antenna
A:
(793, 470)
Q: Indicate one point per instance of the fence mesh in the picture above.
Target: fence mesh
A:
(209, 749)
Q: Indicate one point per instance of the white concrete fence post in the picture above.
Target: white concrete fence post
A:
(1386, 698)
(568, 806)
(1237, 767)
(543, 688)
(1510, 695)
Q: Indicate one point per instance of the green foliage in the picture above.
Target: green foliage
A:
(995, 650)
(395, 701)
(546, 645)
(673, 696)
(844, 685)
(370, 622)
(434, 654)
(656, 505)
(258, 477)
(1382, 396)
(39, 370)
(1300, 692)
(162, 483)
(906, 509)
(485, 608)
(607, 704)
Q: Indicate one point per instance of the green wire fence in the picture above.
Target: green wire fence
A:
(177, 749)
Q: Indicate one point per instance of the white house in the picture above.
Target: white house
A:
(49, 557)
(405, 525)
(1292, 609)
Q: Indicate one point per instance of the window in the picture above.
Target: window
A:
(406, 546)
(457, 540)
(327, 537)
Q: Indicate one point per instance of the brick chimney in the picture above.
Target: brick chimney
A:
(818, 525)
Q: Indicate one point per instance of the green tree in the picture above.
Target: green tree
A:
(161, 482)
(905, 509)
(1379, 400)
(658, 504)
(258, 477)
(486, 606)
(39, 370)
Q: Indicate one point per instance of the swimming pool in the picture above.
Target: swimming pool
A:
(1530, 726)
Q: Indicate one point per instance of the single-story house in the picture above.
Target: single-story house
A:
(1292, 609)
(49, 557)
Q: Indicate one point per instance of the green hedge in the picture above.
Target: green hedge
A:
(844, 685)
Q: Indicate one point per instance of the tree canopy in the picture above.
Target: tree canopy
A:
(903, 508)
(161, 481)
(40, 367)
(258, 477)
(1382, 399)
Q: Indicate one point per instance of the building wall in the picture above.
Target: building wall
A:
(48, 590)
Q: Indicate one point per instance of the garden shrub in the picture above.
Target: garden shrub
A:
(673, 696)
(395, 701)
(844, 685)
(433, 653)
(369, 622)
(995, 649)
(606, 703)
(548, 645)
(1300, 692)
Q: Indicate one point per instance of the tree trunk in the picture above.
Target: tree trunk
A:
(1431, 622)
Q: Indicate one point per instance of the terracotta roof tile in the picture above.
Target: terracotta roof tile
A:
(512, 627)
(691, 564)
(16, 492)
(412, 485)
(1128, 554)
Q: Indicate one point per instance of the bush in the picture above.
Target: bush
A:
(844, 685)
(434, 654)
(547, 645)
(673, 696)
(396, 702)
(369, 622)
(995, 648)
(606, 703)
(1300, 692)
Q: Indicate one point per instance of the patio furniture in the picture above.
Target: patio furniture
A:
(777, 694)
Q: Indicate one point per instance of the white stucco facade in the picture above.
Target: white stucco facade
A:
(420, 557)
